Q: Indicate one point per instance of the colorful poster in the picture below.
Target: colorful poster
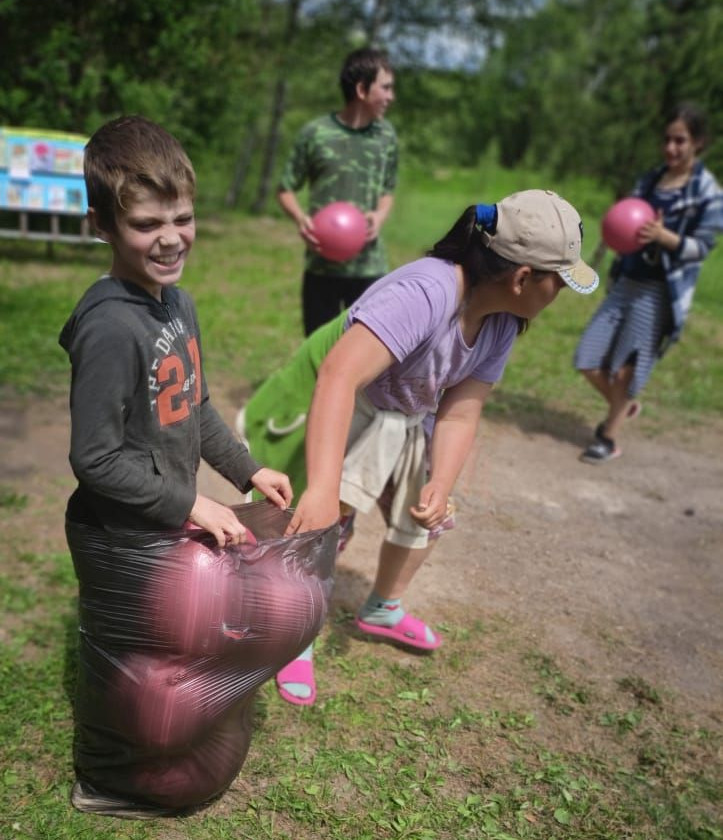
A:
(35, 197)
(42, 156)
(19, 161)
(42, 171)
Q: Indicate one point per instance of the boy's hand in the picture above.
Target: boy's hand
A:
(306, 230)
(374, 225)
(431, 509)
(314, 511)
(274, 485)
(218, 520)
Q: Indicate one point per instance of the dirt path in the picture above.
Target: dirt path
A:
(617, 568)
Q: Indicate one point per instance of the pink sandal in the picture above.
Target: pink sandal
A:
(298, 671)
(409, 631)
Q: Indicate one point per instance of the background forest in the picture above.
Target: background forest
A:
(573, 87)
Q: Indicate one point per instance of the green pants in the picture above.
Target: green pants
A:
(274, 423)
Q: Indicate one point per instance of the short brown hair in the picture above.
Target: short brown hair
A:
(128, 155)
(362, 65)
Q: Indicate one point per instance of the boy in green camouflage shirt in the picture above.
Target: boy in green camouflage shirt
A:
(346, 156)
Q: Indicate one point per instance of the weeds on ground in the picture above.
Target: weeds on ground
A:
(488, 738)
(11, 500)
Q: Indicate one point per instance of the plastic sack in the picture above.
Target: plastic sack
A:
(176, 635)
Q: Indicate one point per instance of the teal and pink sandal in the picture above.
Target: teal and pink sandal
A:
(408, 631)
(300, 672)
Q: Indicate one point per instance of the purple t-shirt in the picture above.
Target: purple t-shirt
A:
(411, 311)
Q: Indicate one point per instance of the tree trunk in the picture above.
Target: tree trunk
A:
(243, 163)
(277, 109)
(272, 144)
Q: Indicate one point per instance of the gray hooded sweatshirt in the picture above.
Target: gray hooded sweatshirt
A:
(141, 417)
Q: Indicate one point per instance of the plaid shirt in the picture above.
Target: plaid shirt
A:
(696, 216)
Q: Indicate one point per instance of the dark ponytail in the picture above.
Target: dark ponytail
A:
(463, 244)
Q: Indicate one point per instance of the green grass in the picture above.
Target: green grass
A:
(245, 276)
(490, 738)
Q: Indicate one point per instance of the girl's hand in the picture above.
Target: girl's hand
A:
(431, 509)
(656, 231)
(315, 510)
(218, 520)
(274, 485)
(651, 231)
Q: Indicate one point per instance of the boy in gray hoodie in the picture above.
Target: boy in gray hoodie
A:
(141, 420)
(141, 416)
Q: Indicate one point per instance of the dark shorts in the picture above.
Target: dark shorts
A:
(324, 296)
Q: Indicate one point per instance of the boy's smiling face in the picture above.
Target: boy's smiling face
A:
(380, 95)
(152, 240)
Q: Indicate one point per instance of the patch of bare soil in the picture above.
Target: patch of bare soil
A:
(613, 569)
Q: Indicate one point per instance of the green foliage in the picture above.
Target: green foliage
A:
(76, 65)
(578, 87)
(434, 122)
(587, 85)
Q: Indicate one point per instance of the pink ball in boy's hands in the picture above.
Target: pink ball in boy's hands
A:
(157, 703)
(188, 597)
(341, 230)
(622, 222)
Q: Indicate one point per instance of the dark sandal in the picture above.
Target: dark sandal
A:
(601, 450)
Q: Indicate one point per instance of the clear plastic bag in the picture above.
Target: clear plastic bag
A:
(175, 637)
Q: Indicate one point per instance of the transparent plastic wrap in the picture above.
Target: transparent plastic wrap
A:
(176, 635)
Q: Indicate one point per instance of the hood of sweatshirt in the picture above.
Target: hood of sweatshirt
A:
(114, 289)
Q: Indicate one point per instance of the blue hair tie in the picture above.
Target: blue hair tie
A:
(486, 216)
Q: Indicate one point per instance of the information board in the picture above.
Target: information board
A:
(42, 171)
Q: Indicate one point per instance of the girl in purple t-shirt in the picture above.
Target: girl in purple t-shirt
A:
(428, 341)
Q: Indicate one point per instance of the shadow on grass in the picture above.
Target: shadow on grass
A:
(534, 416)
(529, 414)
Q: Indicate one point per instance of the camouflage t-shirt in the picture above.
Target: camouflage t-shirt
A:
(344, 164)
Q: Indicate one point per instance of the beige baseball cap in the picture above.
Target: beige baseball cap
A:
(540, 229)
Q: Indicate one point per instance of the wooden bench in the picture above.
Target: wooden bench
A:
(48, 229)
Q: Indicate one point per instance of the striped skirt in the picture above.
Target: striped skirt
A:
(627, 328)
